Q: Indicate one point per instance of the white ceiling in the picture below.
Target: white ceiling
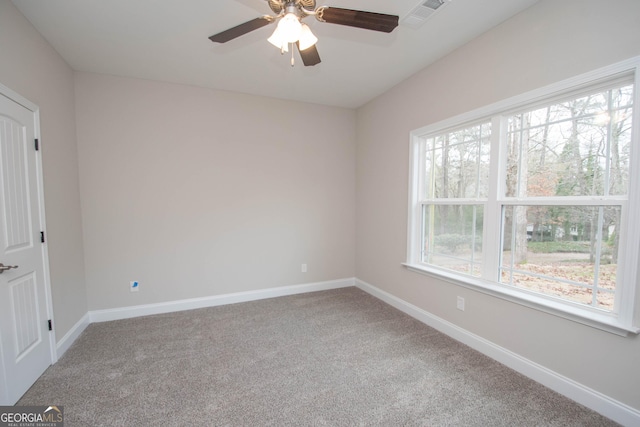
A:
(167, 40)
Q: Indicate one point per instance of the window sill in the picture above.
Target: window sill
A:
(593, 318)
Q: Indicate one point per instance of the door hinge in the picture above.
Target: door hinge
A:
(37, 144)
(50, 323)
(42, 236)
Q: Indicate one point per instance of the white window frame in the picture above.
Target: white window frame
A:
(621, 320)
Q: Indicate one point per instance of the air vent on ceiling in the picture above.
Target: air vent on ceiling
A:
(422, 12)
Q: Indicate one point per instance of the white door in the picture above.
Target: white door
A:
(25, 345)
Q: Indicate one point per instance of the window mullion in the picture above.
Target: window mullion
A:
(493, 210)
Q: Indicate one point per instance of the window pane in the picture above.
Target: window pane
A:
(457, 163)
(568, 252)
(452, 237)
(578, 147)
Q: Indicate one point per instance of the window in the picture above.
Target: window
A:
(531, 199)
(455, 168)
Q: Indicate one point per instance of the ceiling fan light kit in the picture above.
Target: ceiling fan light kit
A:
(291, 29)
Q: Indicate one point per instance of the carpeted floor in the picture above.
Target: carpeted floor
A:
(336, 358)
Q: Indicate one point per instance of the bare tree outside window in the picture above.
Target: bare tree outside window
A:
(456, 170)
(565, 166)
(570, 150)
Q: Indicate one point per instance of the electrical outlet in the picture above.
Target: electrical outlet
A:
(303, 268)
(460, 304)
(134, 286)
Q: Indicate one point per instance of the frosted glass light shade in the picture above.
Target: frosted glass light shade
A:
(307, 39)
(278, 41)
(290, 28)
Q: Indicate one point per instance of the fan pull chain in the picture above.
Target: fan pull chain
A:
(292, 60)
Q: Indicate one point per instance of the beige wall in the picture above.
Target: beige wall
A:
(549, 42)
(30, 67)
(195, 192)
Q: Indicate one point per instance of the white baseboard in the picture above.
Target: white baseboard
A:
(605, 405)
(212, 301)
(69, 338)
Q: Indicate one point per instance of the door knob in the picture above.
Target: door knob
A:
(6, 267)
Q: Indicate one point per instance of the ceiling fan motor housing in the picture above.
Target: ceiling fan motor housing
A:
(280, 5)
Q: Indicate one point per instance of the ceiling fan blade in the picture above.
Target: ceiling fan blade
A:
(358, 18)
(242, 29)
(309, 56)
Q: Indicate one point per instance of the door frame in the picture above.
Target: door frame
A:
(17, 98)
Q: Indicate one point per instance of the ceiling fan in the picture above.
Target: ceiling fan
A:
(291, 29)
